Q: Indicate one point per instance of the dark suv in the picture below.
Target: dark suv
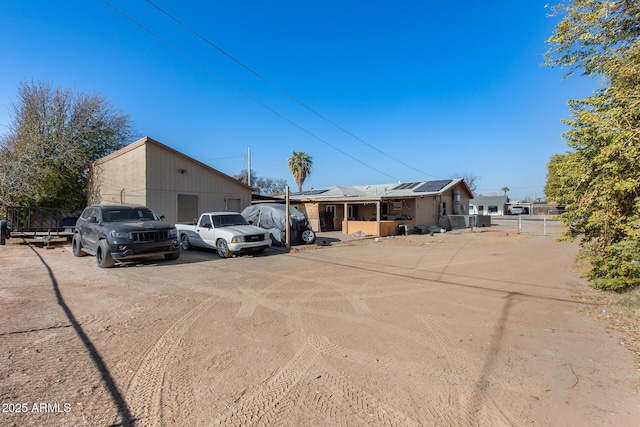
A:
(113, 233)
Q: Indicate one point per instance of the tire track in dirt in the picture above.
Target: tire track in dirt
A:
(290, 387)
(309, 352)
(249, 303)
(477, 401)
(178, 403)
(285, 387)
(145, 390)
(282, 389)
(456, 362)
(356, 300)
(267, 404)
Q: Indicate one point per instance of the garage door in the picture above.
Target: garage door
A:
(187, 208)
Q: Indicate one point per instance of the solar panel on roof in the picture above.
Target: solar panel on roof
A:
(310, 192)
(405, 186)
(432, 186)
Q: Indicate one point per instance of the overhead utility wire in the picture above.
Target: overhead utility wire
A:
(222, 79)
(282, 91)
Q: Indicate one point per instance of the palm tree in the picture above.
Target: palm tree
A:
(300, 166)
(505, 189)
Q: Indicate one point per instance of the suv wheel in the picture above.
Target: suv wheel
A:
(76, 246)
(103, 255)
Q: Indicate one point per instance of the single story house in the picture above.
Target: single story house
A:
(173, 184)
(386, 209)
(489, 205)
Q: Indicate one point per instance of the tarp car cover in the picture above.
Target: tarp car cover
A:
(272, 215)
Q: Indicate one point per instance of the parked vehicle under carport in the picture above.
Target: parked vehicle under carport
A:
(271, 216)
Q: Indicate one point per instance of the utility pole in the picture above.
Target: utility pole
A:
(249, 167)
(288, 226)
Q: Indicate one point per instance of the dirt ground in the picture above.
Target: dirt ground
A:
(465, 328)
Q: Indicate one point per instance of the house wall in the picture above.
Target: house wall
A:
(427, 211)
(312, 212)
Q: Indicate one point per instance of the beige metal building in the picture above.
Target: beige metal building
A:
(169, 182)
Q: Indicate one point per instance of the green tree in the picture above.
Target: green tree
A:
(54, 137)
(505, 190)
(300, 165)
(599, 176)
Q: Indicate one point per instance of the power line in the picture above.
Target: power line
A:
(282, 91)
(228, 83)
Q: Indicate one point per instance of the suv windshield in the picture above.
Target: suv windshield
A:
(129, 214)
(228, 220)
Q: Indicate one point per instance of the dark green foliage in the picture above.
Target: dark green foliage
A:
(55, 136)
(599, 177)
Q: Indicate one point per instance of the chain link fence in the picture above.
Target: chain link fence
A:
(539, 225)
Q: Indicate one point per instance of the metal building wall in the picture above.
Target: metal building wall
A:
(152, 174)
(170, 173)
(119, 178)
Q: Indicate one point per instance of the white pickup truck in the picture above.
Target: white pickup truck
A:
(228, 232)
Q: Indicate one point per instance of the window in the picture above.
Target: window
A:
(89, 212)
(493, 209)
(205, 221)
(353, 211)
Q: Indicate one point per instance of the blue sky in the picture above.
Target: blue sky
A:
(434, 89)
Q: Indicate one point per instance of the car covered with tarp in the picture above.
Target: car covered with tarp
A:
(272, 217)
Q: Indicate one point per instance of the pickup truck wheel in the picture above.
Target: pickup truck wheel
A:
(184, 242)
(76, 246)
(103, 255)
(223, 248)
(308, 236)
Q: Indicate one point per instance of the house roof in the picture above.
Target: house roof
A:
(150, 141)
(380, 191)
(489, 200)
